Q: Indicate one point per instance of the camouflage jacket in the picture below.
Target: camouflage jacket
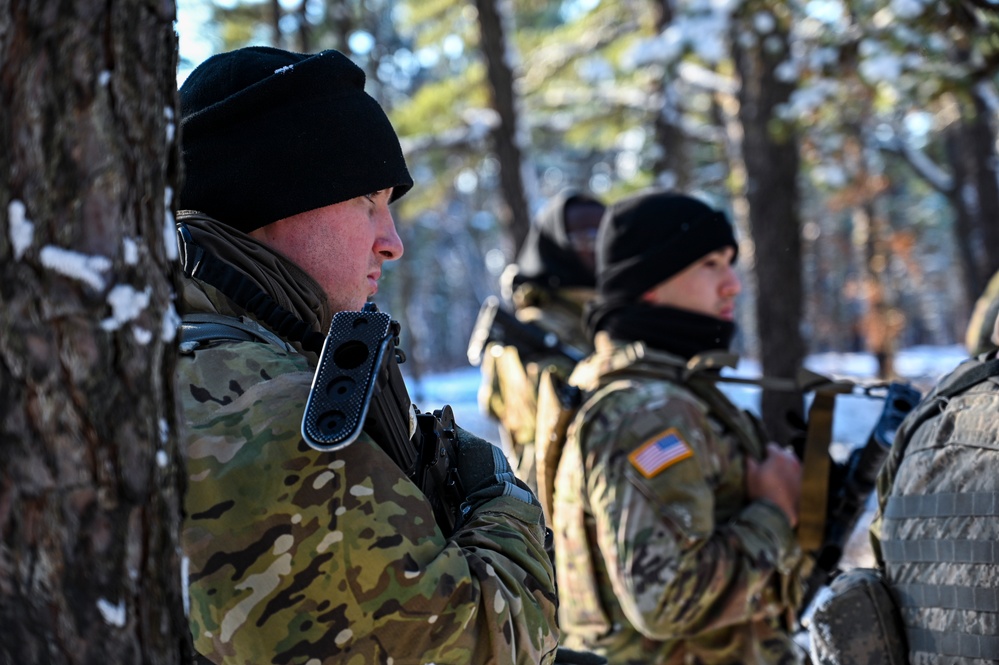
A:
(298, 556)
(938, 521)
(660, 556)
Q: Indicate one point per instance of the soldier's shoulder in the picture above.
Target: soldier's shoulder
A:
(629, 411)
(255, 360)
(643, 394)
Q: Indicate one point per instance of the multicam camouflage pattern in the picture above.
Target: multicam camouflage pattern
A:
(508, 391)
(941, 563)
(297, 556)
(680, 567)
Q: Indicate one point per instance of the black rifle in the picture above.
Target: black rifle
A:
(496, 324)
(358, 386)
(852, 482)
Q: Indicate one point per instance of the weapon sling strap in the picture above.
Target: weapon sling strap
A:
(198, 328)
(815, 468)
(816, 463)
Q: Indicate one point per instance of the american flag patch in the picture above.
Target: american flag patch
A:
(660, 452)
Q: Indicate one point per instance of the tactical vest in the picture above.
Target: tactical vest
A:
(940, 525)
(559, 403)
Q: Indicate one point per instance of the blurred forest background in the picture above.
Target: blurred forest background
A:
(852, 142)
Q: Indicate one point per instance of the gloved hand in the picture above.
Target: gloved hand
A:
(571, 657)
(485, 473)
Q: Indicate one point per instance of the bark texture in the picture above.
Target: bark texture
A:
(770, 153)
(90, 488)
(516, 218)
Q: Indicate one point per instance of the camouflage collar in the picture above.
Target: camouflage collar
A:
(276, 275)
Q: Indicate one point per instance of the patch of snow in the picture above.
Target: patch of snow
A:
(21, 229)
(81, 267)
(113, 614)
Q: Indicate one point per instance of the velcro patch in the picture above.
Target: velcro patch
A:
(660, 452)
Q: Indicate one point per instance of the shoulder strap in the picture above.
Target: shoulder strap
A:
(203, 328)
(968, 374)
(558, 403)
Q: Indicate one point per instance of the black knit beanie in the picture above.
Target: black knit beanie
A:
(267, 134)
(649, 237)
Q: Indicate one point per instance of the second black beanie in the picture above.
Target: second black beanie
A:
(649, 237)
(267, 134)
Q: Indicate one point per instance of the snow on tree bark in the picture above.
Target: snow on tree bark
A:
(90, 473)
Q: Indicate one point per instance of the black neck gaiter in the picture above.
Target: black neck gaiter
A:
(677, 331)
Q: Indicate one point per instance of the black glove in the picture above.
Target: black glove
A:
(570, 657)
(485, 473)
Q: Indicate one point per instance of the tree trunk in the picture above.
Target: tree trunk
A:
(985, 161)
(90, 472)
(275, 15)
(304, 29)
(515, 216)
(956, 142)
(672, 164)
(770, 152)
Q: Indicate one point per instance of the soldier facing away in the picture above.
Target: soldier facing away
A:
(673, 517)
(548, 286)
(937, 526)
(296, 555)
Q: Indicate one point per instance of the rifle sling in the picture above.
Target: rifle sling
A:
(815, 472)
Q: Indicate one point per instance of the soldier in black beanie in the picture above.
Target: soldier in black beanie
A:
(644, 241)
(678, 514)
(267, 134)
(296, 554)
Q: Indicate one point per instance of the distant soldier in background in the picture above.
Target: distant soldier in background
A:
(548, 286)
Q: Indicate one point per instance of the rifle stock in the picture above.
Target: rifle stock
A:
(496, 324)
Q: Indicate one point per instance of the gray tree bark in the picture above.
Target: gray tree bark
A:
(672, 165)
(770, 153)
(90, 472)
(985, 165)
(515, 216)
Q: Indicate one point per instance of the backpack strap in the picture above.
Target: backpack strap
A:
(199, 329)
(970, 373)
(558, 403)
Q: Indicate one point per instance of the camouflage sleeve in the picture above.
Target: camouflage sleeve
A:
(297, 556)
(685, 550)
